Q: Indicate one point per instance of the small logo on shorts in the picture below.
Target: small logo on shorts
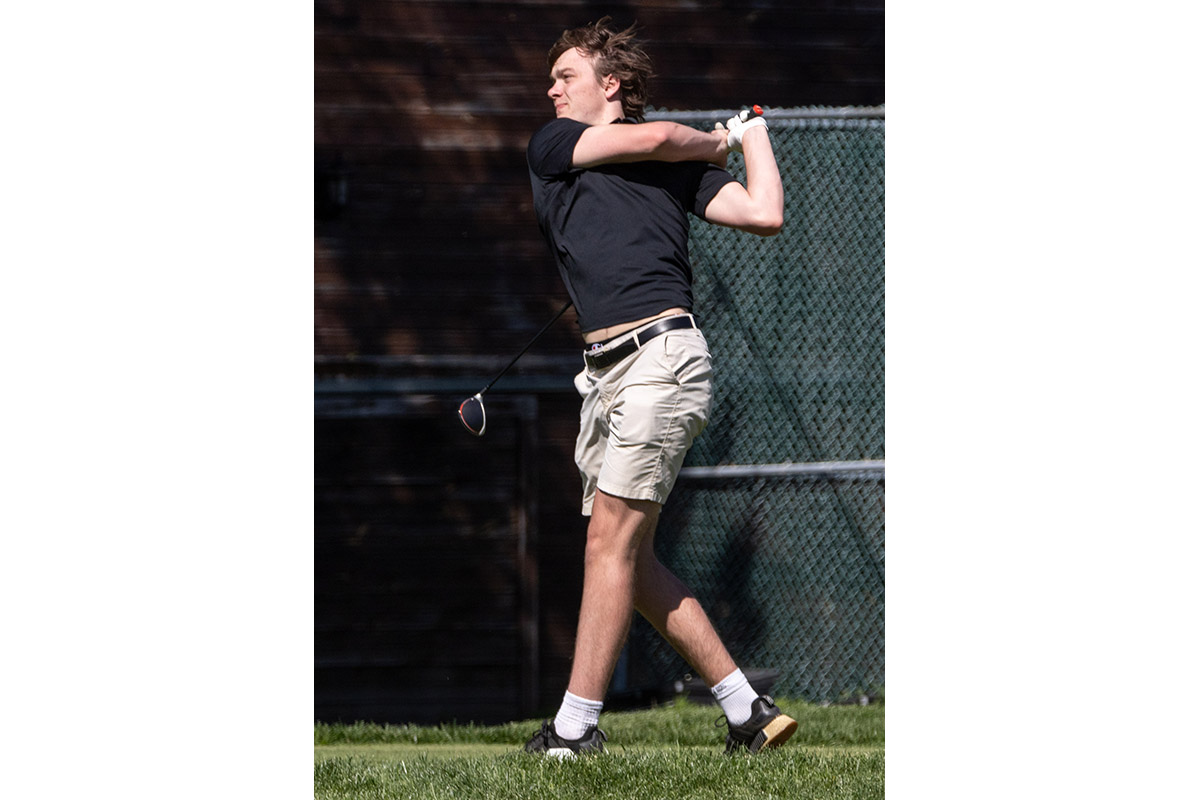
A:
(596, 348)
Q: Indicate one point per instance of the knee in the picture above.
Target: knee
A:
(649, 568)
(648, 577)
(618, 527)
(606, 542)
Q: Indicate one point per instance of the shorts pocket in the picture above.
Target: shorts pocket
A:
(686, 354)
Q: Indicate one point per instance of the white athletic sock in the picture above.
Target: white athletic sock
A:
(576, 715)
(735, 694)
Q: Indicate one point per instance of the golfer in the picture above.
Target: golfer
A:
(612, 195)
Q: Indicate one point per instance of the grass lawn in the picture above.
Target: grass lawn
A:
(669, 752)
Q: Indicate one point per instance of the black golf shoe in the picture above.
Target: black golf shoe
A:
(549, 742)
(767, 727)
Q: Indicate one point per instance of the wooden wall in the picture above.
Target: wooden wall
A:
(429, 275)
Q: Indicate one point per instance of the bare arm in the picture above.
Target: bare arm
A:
(756, 207)
(648, 141)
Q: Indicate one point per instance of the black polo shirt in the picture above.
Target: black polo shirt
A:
(619, 232)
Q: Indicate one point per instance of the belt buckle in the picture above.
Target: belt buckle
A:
(592, 355)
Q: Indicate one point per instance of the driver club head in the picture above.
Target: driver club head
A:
(472, 415)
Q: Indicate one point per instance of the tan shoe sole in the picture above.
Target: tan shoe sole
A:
(775, 733)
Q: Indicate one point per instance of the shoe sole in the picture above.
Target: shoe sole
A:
(566, 752)
(774, 733)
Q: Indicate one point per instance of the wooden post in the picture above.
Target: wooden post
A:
(526, 524)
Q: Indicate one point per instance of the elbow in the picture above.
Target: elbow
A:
(670, 141)
(769, 224)
(655, 139)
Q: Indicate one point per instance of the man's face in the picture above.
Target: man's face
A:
(576, 92)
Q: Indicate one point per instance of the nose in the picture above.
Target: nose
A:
(553, 92)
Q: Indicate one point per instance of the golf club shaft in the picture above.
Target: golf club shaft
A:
(536, 336)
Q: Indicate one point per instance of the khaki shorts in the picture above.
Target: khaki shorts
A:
(640, 416)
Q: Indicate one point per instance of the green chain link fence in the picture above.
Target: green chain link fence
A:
(777, 521)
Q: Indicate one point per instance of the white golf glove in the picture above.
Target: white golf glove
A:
(737, 126)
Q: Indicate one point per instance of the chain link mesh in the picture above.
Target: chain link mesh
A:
(790, 568)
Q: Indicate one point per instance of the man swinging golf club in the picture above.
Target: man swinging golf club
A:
(612, 194)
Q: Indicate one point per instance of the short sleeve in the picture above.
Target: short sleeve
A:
(553, 146)
(712, 180)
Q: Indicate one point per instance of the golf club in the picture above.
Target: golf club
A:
(471, 411)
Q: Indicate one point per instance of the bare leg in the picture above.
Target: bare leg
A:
(615, 534)
(668, 605)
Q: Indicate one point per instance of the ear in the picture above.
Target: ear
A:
(611, 85)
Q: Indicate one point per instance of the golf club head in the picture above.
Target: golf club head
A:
(472, 415)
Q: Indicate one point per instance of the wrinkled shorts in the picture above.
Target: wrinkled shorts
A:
(640, 416)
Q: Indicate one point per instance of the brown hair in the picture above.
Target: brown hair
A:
(615, 53)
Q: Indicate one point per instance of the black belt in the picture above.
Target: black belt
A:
(606, 358)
